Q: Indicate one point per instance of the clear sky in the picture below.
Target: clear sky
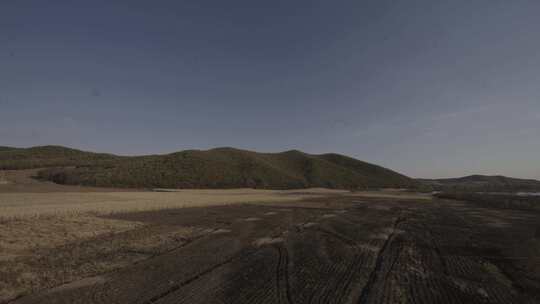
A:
(427, 88)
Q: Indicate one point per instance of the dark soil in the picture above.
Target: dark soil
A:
(333, 250)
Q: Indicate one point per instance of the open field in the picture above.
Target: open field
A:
(325, 249)
(22, 196)
(14, 205)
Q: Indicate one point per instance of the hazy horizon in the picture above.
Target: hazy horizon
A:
(430, 90)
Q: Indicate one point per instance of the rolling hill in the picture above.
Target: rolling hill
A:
(215, 168)
(486, 183)
(50, 156)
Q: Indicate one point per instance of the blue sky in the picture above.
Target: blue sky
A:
(427, 88)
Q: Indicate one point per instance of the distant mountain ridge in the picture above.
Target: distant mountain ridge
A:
(215, 168)
(488, 183)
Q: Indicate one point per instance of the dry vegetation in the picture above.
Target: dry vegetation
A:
(311, 244)
(57, 250)
(27, 247)
(18, 237)
(13, 205)
(49, 238)
(337, 249)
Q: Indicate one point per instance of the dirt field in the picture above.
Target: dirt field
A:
(338, 249)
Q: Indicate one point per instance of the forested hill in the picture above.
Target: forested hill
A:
(216, 168)
(485, 183)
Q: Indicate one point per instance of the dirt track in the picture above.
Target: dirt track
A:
(332, 250)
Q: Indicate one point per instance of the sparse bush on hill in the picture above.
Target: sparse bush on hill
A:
(50, 156)
(504, 201)
(216, 168)
(482, 183)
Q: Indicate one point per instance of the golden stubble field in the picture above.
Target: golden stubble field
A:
(13, 205)
(49, 237)
(31, 220)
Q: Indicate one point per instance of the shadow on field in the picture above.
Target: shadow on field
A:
(325, 250)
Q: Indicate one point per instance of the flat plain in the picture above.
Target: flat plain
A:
(251, 246)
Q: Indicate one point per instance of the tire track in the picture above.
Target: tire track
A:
(282, 276)
(374, 275)
(344, 282)
(437, 250)
(344, 279)
(192, 279)
(187, 242)
(340, 237)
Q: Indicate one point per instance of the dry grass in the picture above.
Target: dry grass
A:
(46, 220)
(53, 251)
(38, 220)
(50, 239)
(393, 194)
(19, 237)
(52, 234)
(3, 179)
(16, 205)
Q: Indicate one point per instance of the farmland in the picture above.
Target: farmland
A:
(331, 248)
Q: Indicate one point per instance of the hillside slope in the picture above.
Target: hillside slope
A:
(50, 156)
(483, 183)
(216, 168)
